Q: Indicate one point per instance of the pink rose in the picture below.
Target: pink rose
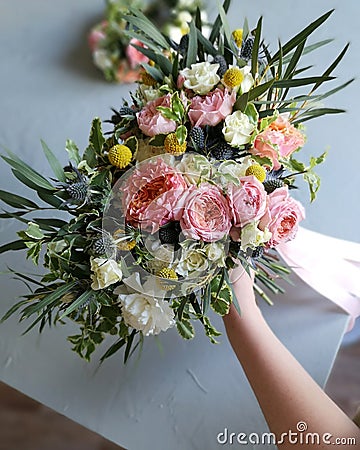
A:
(206, 214)
(152, 193)
(247, 201)
(151, 122)
(96, 35)
(283, 216)
(133, 55)
(212, 108)
(279, 139)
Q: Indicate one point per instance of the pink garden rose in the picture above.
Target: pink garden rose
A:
(212, 108)
(206, 214)
(283, 216)
(247, 201)
(125, 74)
(279, 140)
(151, 122)
(133, 55)
(152, 193)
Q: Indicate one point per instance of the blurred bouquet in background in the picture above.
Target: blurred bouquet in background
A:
(193, 178)
(111, 44)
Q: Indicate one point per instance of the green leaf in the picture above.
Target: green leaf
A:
(73, 151)
(54, 162)
(29, 173)
(225, 23)
(51, 298)
(177, 106)
(154, 72)
(252, 113)
(34, 251)
(191, 53)
(12, 246)
(292, 43)
(16, 201)
(318, 112)
(96, 138)
(208, 47)
(259, 90)
(140, 37)
(139, 20)
(314, 183)
(33, 231)
(241, 102)
(297, 166)
(163, 62)
(168, 113)
(309, 49)
(218, 23)
(132, 143)
(158, 140)
(129, 342)
(255, 51)
(294, 60)
(181, 134)
(330, 69)
(185, 329)
(113, 349)
(83, 298)
(13, 310)
(296, 82)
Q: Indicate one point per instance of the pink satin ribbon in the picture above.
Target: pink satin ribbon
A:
(329, 265)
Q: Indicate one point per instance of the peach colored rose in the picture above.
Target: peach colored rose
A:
(212, 108)
(151, 122)
(206, 214)
(279, 140)
(283, 216)
(247, 201)
(125, 74)
(152, 193)
(134, 56)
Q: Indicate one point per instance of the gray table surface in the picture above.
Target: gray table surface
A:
(183, 396)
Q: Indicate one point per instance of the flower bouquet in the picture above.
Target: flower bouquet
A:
(193, 177)
(111, 44)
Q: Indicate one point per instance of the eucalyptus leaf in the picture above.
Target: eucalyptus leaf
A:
(54, 162)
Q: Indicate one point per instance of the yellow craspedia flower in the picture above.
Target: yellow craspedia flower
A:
(148, 80)
(258, 172)
(173, 146)
(120, 156)
(238, 36)
(168, 275)
(124, 245)
(233, 77)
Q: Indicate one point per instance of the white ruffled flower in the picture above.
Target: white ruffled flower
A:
(105, 272)
(201, 78)
(149, 93)
(231, 171)
(252, 236)
(144, 312)
(193, 166)
(237, 129)
(102, 59)
(215, 253)
(193, 262)
(163, 254)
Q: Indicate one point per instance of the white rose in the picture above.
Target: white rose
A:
(142, 311)
(163, 255)
(149, 93)
(252, 237)
(237, 129)
(193, 262)
(193, 166)
(105, 272)
(215, 253)
(232, 171)
(201, 78)
(102, 59)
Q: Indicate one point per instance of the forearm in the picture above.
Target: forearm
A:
(285, 391)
